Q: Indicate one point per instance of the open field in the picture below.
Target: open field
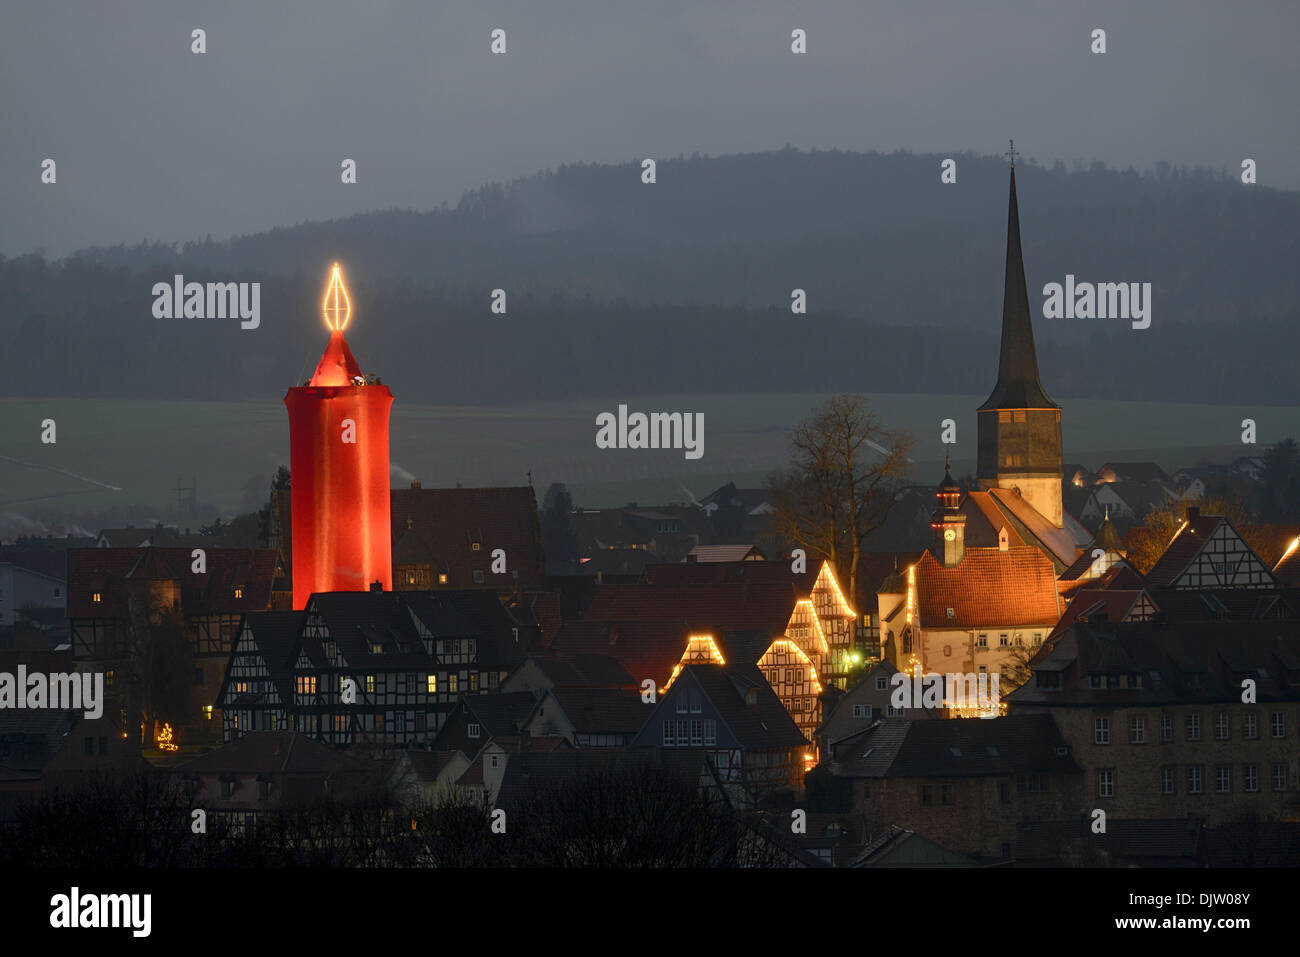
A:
(134, 451)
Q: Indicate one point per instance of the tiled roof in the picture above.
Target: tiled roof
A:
(1062, 544)
(1184, 548)
(266, 752)
(644, 649)
(448, 521)
(704, 608)
(42, 561)
(1203, 661)
(973, 747)
(722, 553)
(429, 764)
(500, 714)
(669, 574)
(106, 570)
(1137, 471)
(584, 671)
(601, 710)
(766, 724)
(988, 587)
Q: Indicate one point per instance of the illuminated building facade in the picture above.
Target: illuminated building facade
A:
(338, 456)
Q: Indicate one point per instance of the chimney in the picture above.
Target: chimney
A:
(1193, 512)
(376, 586)
(416, 485)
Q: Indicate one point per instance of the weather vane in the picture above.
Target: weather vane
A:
(1012, 153)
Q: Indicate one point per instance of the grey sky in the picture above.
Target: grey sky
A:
(155, 142)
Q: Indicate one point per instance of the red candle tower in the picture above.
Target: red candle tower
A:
(338, 461)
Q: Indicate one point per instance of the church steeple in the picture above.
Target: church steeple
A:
(1019, 424)
(1018, 386)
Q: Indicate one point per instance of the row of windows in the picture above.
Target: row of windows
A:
(404, 683)
(866, 711)
(1195, 778)
(690, 732)
(1137, 727)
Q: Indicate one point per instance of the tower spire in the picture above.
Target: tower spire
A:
(1018, 386)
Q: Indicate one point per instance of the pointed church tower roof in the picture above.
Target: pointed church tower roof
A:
(1018, 386)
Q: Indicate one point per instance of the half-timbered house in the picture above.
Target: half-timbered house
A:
(734, 717)
(382, 668)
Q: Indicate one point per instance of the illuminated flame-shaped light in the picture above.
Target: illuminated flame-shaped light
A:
(337, 307)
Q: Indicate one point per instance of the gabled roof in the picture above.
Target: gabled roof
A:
(989, 587)
(766, 724)
(500, 714)
(275, 635)
(1187, 544)
(1059, 544)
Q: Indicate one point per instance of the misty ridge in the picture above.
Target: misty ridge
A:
(619, 288)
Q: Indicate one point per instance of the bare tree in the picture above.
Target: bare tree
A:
(847, 471)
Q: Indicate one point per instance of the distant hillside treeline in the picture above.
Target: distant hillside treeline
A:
(89, 332)
(619, 287)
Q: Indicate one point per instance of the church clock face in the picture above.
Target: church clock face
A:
(949, 535)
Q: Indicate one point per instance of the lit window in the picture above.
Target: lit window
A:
(207, 712)
(453, 684)
(431, 683)
(442, 578)
(306, 684)
(239, 593)
(370, 684)
(96, 597)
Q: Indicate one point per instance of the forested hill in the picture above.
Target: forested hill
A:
(616, 286)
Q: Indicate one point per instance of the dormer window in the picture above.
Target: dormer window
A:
(239, 593)
(96, 597)
(376, 648)
(476, 546)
